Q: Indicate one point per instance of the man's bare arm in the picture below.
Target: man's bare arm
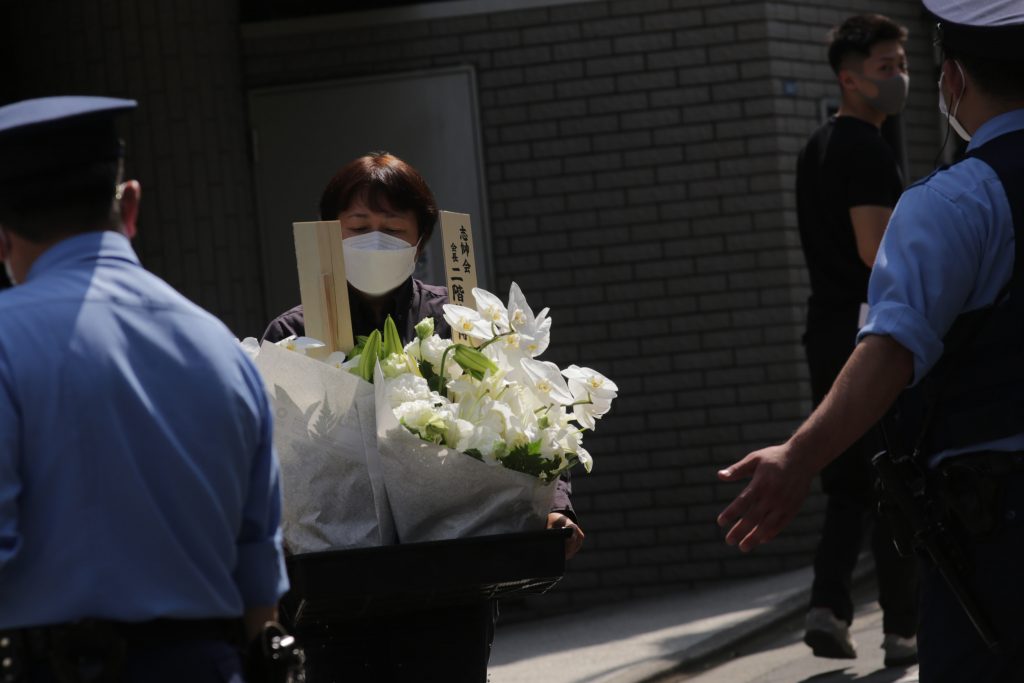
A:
(869, 223)
(781, 476)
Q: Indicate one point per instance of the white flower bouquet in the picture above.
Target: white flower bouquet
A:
(472, 437)
(451, 440)
(326, 442)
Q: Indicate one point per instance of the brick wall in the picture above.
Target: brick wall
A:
(653, 143)
(186, 142)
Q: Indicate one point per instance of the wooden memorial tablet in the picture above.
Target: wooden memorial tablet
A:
(322, 284)
(459, 262)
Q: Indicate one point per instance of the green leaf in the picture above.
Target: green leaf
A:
(474, 453)
(527, 459)
(434, 381)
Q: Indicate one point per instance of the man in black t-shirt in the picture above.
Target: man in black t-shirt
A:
(848, 182)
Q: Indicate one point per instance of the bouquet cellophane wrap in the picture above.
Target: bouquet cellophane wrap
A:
(437, 493)
(325, 436)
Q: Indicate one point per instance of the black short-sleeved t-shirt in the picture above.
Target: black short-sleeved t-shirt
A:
(844, 164)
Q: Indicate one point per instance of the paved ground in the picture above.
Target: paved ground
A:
(643, 640)
(780, 656)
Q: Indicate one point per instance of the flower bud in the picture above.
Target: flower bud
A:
(425, 327)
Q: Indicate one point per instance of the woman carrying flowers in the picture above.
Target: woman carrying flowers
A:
(387, 214)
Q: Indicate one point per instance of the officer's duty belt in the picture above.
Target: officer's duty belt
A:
(20, 647)
(994, 463)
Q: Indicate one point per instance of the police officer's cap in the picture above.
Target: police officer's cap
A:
(992, 29)
(51, 136)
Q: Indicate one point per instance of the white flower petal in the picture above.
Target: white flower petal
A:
(547, 380)
(467, 321)
(491, 309)
(596, 383)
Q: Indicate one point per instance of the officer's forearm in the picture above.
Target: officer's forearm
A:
(879, 369)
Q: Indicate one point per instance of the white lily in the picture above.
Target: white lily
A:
(547, 381)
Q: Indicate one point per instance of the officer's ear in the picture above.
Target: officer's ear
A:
(129, 194)
(954, 76)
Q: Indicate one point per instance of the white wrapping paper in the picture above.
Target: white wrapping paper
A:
(438, 493)
(324, 431)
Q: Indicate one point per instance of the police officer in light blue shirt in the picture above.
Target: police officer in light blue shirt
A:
(139, 492)
(947, 317)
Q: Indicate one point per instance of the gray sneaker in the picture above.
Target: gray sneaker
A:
(828, 636)
(899, 651)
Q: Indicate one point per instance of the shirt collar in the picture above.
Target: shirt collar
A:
(1006, 122)
(81, 247)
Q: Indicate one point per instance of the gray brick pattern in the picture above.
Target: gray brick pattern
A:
(186, 143)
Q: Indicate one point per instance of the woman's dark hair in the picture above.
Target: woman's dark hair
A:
(382, 181)
(857, 35)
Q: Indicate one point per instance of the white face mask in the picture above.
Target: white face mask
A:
(951, 115)
(377, 263)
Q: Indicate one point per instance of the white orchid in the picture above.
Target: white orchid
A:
(584, 457)
(491, 309)
(301, 344)
(466, 321)
(547, 381)
(592, 394)
(592, 381)
(495, 400)
(535, 331)
(587, 413)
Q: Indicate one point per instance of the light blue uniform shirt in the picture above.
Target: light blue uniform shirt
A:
(948, 250)
(137, 472)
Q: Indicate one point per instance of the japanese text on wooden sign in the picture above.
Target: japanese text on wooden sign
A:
(459, 262)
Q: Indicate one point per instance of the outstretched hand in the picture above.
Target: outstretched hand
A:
(779, 484)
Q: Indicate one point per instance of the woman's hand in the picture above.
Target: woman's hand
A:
(556, 520)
